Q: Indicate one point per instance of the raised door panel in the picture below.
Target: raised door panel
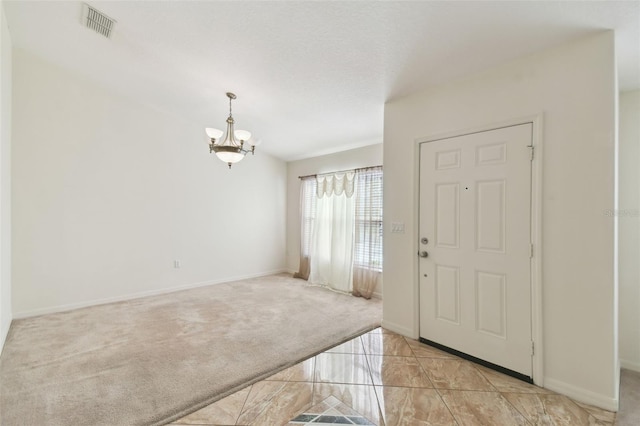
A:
(490, 216)
(447, 289)
(447, 217)
(491, 309)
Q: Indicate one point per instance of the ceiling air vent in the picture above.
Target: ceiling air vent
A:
(98, 21)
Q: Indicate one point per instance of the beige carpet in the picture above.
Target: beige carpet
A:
(154, 360)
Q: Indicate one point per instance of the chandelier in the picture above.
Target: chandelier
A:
(231, 149)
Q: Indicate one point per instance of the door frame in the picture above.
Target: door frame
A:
(536, 227)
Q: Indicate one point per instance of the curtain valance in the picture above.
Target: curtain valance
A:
(336, 184)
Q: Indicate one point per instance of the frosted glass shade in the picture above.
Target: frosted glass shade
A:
(213, 133)
(254, 142)
(230, 157)
(242, 135)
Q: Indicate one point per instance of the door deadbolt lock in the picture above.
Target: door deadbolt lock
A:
(423, 254)
(424, 240)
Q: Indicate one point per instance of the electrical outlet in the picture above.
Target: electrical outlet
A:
(176, 264)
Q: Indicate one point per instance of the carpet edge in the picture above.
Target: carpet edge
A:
(236, 388)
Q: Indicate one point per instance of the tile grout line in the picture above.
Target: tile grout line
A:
(424, 370)
(447, 405)
(313, 381)
(373, 385)
(473, 365)
(243, 404)
(267, 403)
(525, 417)
(455, 419)
(419, 363)
(537, 394)
(588, 413)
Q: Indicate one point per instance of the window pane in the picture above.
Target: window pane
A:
(368, 248)
(308, 204)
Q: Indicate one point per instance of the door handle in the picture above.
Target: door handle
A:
(423, 254)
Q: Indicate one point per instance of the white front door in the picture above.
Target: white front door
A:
(475, 227)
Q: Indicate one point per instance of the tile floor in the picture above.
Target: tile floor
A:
(382, 378)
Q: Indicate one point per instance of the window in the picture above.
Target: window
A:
(341, 232)
(368, 226)
(308, 214)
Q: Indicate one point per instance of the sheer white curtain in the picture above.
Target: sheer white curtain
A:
(308, 201)
(367, 270)
(332, 240)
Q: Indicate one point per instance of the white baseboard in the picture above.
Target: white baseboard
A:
(4, 332)
(396, 328)
(630, 365)
(581, 395)
(94, 302)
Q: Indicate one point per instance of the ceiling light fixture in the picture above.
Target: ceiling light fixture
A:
(231, 149)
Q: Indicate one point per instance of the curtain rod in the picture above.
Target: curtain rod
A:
(340, 171)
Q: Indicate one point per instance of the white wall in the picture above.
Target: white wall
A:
(108, 192)
(629, 229)
(352, 159)
(574, 87)
(5, 178)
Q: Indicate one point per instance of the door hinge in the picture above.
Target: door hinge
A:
(531, 251)
(531, 150)
(533, 348)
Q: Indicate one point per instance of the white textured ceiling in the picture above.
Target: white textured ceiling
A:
(311, 77)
